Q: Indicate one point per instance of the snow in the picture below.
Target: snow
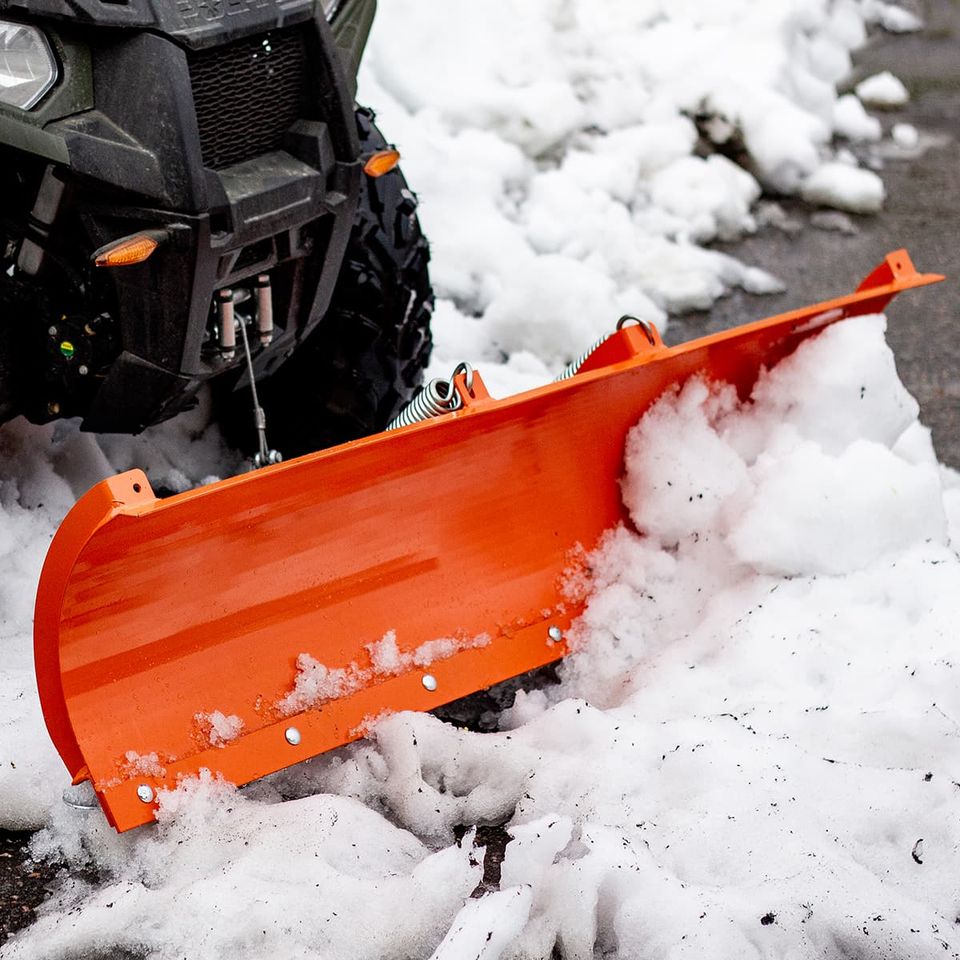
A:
(833, 220)
(483, 929)
(905, 136)
(851, 120)
(751, 751)
(558, 153)
(218, 728)
(882, 90)
(844, 187)
(147, 764)
(892, 17)
(316, 683)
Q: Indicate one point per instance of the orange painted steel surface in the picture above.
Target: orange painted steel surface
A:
(153, 613)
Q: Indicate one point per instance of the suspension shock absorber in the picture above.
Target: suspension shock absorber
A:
(228, 324)
(264, 309)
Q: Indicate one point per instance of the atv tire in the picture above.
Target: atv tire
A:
(366, 357)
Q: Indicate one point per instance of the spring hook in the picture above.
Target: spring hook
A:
(644, 325)
(433, 399)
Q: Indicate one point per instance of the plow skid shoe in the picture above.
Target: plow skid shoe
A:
(250, 624)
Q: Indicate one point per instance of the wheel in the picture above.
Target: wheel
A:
(366, 357)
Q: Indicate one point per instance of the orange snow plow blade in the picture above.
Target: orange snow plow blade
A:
(247, 625)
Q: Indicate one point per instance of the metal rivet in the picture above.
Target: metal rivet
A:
(555, 634)
(292, 736)
(429, 682)
(145, 793)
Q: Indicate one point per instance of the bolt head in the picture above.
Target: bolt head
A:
(555, 634)
(145, 793)
(292, 736)
(429, 682)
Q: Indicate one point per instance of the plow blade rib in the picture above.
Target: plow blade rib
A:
(255, 622)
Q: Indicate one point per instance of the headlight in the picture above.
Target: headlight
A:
(27, 67)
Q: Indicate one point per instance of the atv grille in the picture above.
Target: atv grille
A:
(248, 93)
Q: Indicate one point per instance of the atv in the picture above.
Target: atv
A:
(190, 196)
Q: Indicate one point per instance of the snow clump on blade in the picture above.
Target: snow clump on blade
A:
(219, 729)
(316, 683)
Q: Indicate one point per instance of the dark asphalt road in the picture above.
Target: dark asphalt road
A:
(922, 213)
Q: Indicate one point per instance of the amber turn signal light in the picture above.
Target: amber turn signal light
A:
(128, 250)
(381, 162)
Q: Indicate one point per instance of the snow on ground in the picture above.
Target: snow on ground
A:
(570, 155)
(905, 135)
(845, 187)
(883, 90)
(752, 752)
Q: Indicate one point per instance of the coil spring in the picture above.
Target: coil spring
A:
(434, 399)
(571, 368)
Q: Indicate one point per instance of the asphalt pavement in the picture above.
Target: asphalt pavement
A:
(921, 213)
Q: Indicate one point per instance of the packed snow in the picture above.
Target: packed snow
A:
(751, 751)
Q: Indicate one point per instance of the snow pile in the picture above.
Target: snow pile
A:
(222, 876)
(569, 156)
(751, 751)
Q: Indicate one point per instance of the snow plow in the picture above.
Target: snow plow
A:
(261, 620)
